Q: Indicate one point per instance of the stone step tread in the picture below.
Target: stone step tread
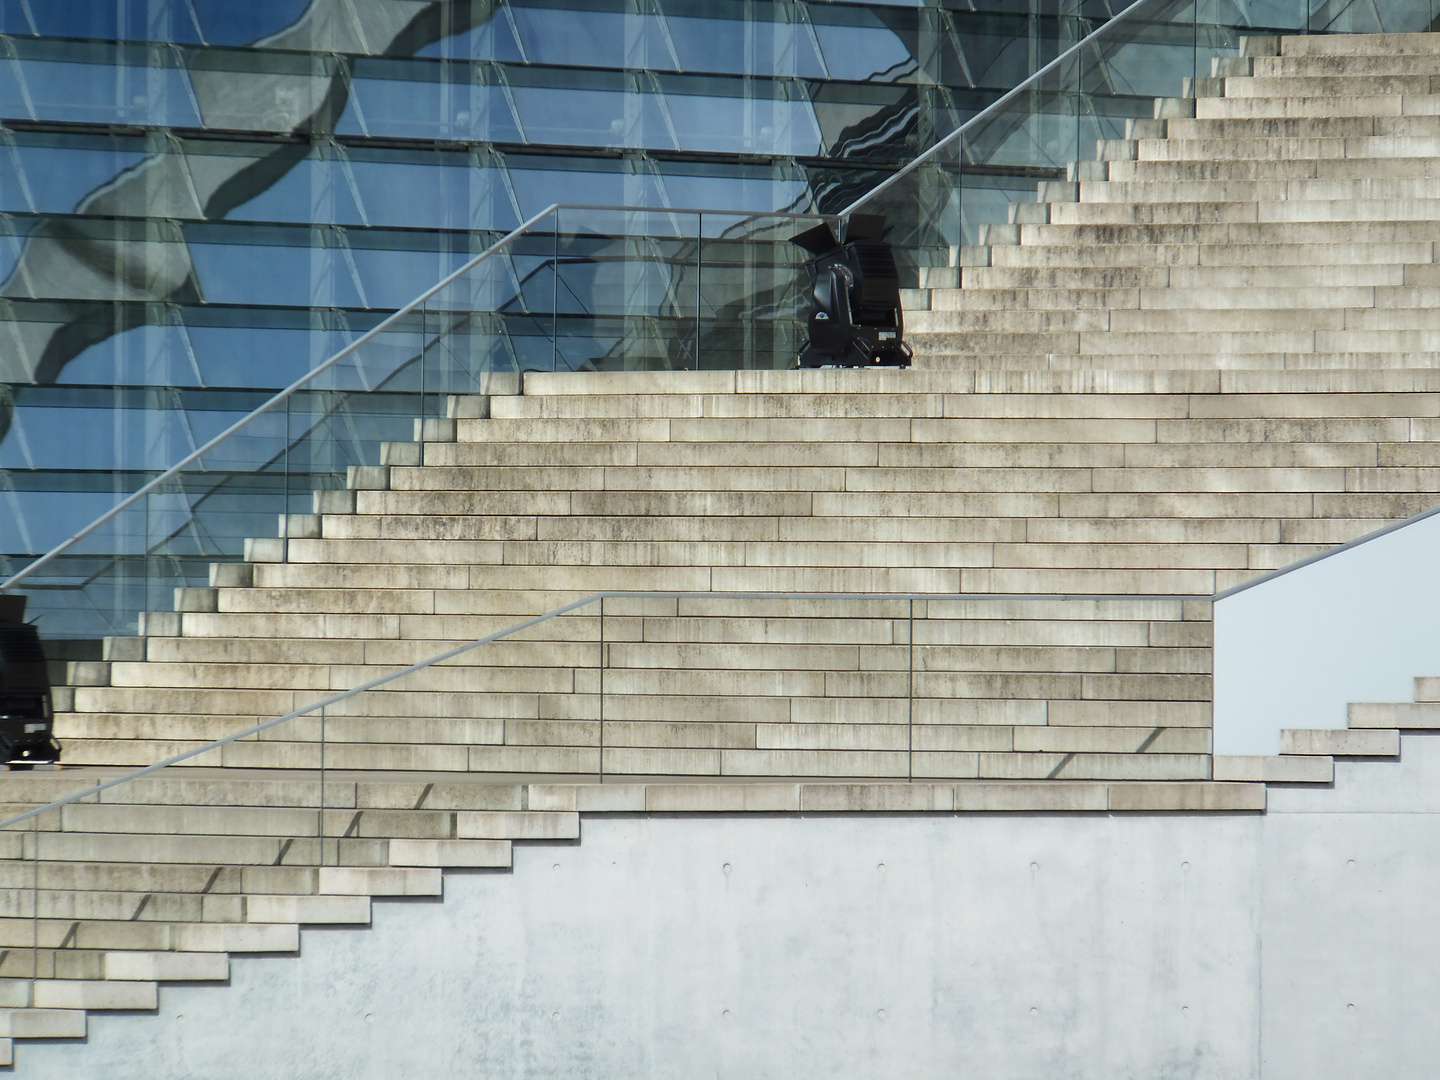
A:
(1292, 769)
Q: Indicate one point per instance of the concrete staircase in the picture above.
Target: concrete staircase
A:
(1209, 355)
(1215, 360)
(726, 483)
(1277, 224)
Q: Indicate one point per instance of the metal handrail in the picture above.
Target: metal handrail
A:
(634, 594)
(244, 421)
(1328, 553)
(369, 335)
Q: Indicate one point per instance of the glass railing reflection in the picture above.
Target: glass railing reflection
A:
(584, 288)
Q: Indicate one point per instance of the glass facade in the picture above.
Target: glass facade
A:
(200, 200)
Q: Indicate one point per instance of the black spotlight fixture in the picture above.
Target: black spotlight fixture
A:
(26, 713)
(854, 295)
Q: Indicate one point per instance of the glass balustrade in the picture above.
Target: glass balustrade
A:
(576, 289)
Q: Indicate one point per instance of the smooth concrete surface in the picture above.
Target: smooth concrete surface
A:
(1297, 944)
(1295, 651)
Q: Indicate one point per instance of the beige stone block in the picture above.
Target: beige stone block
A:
(1424, 714)
(42, 1023)
(945, 763)
(190, 820)
(946, 737)
(1031, 633)
(1113, 740)
(642, 761)
(239, 937)
(1084, 580)
(1153, 530)
(379, 881)
(728, 655)
(722, 798)
(1287, 769)
(1187, 797)
(678, 735)
(527, 759)
(409, 824)
(812, 763)
(468, 794)
(550, 730)
(450, 853)
(868, 684)
(1023, 766)
(1164, 661)
(1007, 658)
(591, 429)
(94, 995)
(314, 910)
(799, 736)
(996, 685)
(842, 798)
(1341, 743)
(522, 825)
(962, 712)
(1147, 687)
(1057, 796)
(857, 710)
(167, 966)
(726, 709)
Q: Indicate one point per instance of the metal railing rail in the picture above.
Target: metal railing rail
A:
(459, 650)
(1321, 556)
(385, 324)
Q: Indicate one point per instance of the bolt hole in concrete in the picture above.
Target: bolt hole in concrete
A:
(725, 868)
(555, 1016)
(1185, 1010)
(181, 1019)
(881, 868)
(1034, 1011)
(1351, 864)
(880, 1015)
(725, 1015)
(1349, 1008)
(555, 867)
(1034, 866)
(369, 1018)
(1185, 866)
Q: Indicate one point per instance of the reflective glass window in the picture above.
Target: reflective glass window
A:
(313, 190)
(743, 125)
(228, 22)
(425, 108)
(733, 45)
(493, 39)
(863, 52)
(148, 20)
(536, 187)
(578, 38)
(97, 93)
(273, 275)
(53, 173)
(451, 193)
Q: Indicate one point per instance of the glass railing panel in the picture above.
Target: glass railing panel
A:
(751, 291)
(974, 179)
(1372, 16)
(578, 289)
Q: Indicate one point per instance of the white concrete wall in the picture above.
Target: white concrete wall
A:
(1294, 651)
(1299, 944)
